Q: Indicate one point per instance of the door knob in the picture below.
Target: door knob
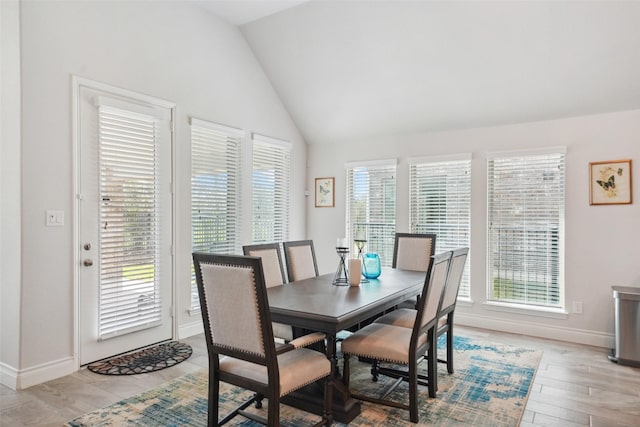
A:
(88, 262)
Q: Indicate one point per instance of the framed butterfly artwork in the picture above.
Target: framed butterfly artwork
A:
(610, 182)
(325, 194)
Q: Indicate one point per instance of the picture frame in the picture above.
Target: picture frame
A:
(610, 182)
(325, 192)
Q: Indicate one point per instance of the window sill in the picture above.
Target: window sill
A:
(529, 310)
(194, 312)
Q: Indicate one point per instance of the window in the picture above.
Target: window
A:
(270, 193)
(371, 205)
(440, 203)
(215, 186)
(526, 227)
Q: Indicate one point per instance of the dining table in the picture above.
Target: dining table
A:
(316, 304)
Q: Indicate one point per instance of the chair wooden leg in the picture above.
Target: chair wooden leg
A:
(273, 411)
(413, 392)
(212, 404)
(450, 343)
(432, 363)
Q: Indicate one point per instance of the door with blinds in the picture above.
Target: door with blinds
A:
(124, 221)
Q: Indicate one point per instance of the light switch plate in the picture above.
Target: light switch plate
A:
(55, 218)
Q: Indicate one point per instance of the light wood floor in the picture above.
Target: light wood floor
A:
(575, 385)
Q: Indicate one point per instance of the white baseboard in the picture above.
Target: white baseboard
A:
(8, 376)
(190, 329)
(18, 379)
(532, 329)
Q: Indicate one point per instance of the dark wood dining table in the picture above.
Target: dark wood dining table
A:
(315, 304)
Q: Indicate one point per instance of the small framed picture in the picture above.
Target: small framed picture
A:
(610, 182)
(325, 194)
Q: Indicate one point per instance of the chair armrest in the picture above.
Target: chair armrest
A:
(307, 340)
(300, 342)
(283, 348)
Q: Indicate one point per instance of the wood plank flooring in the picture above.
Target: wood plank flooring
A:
(575, 385)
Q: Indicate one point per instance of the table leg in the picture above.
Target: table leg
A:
(332, 355)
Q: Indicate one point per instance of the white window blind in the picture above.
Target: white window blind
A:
(129, 232)
(371, 206)
(440, 203)
(270, 190)
(526, 228)
(215, 188)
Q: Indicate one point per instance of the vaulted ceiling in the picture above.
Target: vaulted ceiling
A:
(348, 70)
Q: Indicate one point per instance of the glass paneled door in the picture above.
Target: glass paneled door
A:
(124, 221)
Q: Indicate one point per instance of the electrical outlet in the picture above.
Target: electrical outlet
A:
(577, 307)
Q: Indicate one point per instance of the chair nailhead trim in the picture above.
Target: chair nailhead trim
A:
(402, 362)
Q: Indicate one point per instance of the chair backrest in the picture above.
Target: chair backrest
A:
(432, 293)
(458, 260)
(413, 251)
(271, 262)
(234, 305)
(300, 257)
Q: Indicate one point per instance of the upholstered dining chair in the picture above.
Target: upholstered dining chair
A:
(240, 343)
(384, 343)
(413, 251)
(300, 257)
(273, 276)
(271, 262)
(445, 320)
(406, 317)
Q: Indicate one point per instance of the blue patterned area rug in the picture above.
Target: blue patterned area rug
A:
(490, 387)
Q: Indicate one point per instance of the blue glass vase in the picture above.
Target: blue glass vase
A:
(371, 268)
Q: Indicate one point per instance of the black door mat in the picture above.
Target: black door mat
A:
(148, 359)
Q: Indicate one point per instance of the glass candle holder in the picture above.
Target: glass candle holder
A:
(371, 268)
(342, 243)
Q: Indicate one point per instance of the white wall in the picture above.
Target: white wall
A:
(170, 50)
(9, 190)
(602, 242)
